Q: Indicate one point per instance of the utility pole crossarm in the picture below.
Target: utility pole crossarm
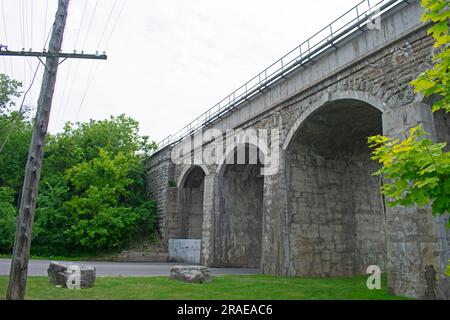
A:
(53, 55)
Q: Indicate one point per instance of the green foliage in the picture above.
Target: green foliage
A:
(82, 142)
(91, 196)
(100, 203)
(92, 192)
(172, 184)
(417, 171)
(9, 89)
(51, 219)
(14, 154)
(8, 215)
(437, 80)
(448, 269)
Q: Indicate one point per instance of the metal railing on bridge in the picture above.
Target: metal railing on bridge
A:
(357, 18)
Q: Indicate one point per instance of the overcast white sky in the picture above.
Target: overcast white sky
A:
(168, 60)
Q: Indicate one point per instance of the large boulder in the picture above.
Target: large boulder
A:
(192, 274)
(66, 274)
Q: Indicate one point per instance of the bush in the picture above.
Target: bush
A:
(51, 220)
(8, 214)
(91, 197)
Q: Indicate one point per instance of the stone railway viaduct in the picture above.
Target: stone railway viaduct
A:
(321, 214)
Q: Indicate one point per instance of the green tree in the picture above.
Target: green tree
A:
(416, 170)
(52, 220)
(8, 215)
(103, 213)
(92, 190)
(436, 81)
(81, 142)
(14, 147)
(9, 89)
(13, 156)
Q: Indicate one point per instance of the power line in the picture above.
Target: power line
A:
(107, 23)
(25, 23)
(62, 106)
(45, 24)
(90, 23)
(93, 73)
(91, 77)
(81, 23)
(31, 24)
(115, 24)
(21, 22)
(62, 109)
(6, 36)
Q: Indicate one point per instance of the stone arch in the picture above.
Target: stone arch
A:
(335, 209)
(330, 97)
(221, 166)
(187, 169)
(239, 223)
(190, 202)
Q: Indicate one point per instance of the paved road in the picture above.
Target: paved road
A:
(39, 268)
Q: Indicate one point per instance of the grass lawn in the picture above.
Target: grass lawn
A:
(255, 287)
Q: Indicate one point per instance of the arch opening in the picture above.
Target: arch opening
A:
(241, 188)
(191, 193)
(335, 206)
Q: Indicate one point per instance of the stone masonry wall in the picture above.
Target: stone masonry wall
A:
(239, 236)
(159, 171)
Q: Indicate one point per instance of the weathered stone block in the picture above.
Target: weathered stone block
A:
(60, 273)
(192, 274)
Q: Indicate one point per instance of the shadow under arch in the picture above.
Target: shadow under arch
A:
(239, 221)
(360, 96)
(335, 209)
(189, 215)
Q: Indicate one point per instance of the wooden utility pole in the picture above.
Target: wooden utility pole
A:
(19, 264)
(21, 253)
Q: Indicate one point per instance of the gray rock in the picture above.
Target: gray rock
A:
(192, 274)
(59, 273)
